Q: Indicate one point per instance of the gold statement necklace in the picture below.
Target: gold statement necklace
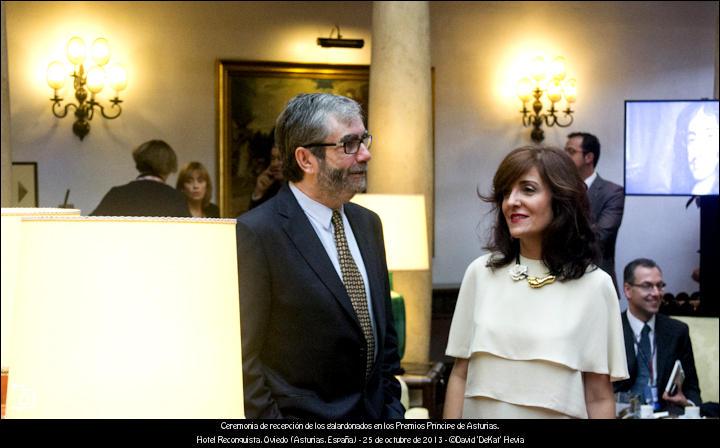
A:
(520, 272)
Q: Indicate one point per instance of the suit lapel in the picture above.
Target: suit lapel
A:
(629, 347)
(371, 259)
(298, 228)
(595, 194)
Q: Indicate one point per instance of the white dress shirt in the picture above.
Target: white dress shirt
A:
(590, 179)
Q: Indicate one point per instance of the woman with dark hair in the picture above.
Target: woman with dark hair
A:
(536, 331)
(695, 168)
(148, 194)
(194, 182)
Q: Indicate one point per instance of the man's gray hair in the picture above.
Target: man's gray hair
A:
(305, 120)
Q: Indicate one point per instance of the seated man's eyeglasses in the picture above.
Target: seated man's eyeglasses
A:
(647, 287)
(350, 146)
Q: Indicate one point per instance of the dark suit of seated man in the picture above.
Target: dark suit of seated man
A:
(668, 339)
(317, 329)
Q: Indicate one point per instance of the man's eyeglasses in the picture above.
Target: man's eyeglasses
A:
(349, 146)
(572, 151)
(647, 287)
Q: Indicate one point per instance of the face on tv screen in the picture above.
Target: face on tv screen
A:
(671, 147)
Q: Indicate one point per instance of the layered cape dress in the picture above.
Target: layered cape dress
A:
(527, 348)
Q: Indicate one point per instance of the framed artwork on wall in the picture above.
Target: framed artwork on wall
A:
(250, 96)
(24, 185)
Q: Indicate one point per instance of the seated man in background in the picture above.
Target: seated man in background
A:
(654, 341)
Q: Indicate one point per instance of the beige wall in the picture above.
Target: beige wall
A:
(705, 343)
(5, 151)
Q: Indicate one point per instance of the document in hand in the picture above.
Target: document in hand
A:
(676, 378)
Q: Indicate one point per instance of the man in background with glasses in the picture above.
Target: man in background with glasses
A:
(317, 329)
(653, 341)
(607, 199)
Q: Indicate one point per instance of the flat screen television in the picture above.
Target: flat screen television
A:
(671, 147)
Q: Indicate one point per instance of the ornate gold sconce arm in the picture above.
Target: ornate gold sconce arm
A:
(553, 92)
(551, 119)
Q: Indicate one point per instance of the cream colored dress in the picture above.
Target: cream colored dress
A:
(527, 348)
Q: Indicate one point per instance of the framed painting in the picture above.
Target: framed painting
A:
(24, 184)
(251, 95)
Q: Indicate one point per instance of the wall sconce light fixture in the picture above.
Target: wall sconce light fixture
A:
(86, 77)
(339, 41)
(546, 81)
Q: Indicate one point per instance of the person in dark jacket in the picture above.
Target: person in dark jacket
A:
(607, 199)
(666, 341)
(268, 183)
(147, 194)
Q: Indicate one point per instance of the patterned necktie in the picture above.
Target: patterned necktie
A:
(352, 279)
(644, 363)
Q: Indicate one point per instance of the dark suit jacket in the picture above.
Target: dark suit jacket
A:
(303, 347)
(607, 203)
(143, 198)
(672, 338)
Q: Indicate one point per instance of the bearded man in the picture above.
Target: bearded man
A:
(317, 329)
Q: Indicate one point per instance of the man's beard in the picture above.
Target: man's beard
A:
(338, 182)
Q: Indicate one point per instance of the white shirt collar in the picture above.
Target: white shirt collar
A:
(591, 178)
(637, 325)
(320, 212)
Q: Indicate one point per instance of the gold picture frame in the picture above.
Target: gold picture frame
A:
(250, 96)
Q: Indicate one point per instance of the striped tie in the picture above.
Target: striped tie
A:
(355, 287)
